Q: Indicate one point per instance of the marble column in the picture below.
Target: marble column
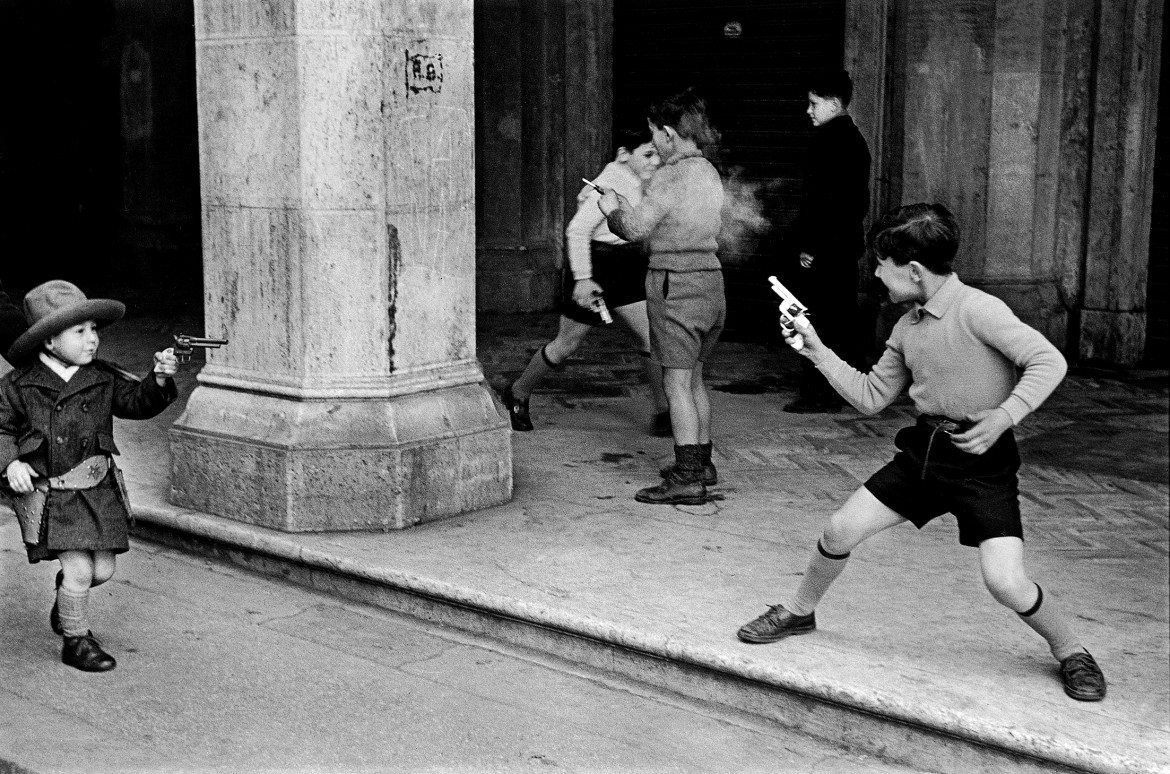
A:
(336, 145)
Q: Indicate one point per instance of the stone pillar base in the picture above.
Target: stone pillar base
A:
(309, 466)
(1118, 337)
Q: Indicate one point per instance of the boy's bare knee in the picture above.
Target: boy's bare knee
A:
(838, 537)
(1010, 588)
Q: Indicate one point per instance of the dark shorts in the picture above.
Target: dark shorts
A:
(687, 310)
(980, 489)
(620, 270)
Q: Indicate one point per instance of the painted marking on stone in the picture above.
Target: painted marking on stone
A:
(424, 72)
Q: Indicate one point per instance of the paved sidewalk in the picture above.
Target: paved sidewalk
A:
(908, 632)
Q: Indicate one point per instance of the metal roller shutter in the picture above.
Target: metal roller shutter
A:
(751, 61)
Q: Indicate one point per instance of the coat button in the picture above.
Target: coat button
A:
(60, 439)
(84, 442)
(58, 406)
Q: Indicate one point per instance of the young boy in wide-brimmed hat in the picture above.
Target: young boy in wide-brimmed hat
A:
(57, 445)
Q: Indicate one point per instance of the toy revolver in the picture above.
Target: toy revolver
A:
(793, 314)
(598, 305)
(185, 346)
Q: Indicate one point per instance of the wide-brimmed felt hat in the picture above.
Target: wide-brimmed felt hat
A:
(54, 306)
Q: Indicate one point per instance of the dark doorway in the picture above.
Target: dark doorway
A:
(751, 61)
(99, 165)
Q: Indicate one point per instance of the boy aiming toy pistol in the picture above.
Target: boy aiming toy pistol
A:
(185, 346)
(793, 314)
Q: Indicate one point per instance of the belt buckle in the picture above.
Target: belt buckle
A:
(948, 427)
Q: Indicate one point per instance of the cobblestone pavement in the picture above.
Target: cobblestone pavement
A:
(1096, 469)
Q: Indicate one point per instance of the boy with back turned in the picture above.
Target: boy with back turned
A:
(957, 351)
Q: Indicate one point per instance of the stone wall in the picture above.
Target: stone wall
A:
(1034, 121)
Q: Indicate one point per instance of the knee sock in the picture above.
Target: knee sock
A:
(1054, 625)
(822, 570)
(73, 607)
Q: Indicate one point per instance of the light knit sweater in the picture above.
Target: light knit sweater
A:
(679, 217)
(958, 353)
(589, 224)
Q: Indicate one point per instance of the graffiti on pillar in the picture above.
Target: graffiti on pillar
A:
(424, 72)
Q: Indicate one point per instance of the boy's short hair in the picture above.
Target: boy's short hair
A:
(687, 113)
(832, 83)
(631, 134)
(927, 233)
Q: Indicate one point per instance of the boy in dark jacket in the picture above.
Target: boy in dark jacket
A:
(57, 445)
(830, 232)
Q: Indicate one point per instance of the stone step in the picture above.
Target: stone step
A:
(901, 731)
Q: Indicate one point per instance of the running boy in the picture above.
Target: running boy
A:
(56, 445)
(957, 351)
(679, 219)
(601, 265)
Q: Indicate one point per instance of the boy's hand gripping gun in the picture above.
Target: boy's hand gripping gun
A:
(185, 346)
(793, 314)
(598, 305)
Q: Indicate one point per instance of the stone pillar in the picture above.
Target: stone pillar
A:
(1121, 180)
(869, 60)
(1034, 120)
(336, 158)
(1017, 263)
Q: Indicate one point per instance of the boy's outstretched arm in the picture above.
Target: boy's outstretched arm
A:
(868, 393)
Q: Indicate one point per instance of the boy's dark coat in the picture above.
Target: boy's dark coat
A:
(53, 425)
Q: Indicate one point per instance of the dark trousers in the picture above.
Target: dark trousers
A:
(829, 289)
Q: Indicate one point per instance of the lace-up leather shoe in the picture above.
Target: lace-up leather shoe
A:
(673, 491)
(1083, 679)
(710, 476)
(776, 624)
(517, 411)
(55, 614)
(86, 654)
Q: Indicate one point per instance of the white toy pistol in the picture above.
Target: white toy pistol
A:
(598, 305)
(793, 314)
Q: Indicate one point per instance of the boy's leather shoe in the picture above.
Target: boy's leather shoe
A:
(1083, 679)
(672, 491)
(684, 483)
(710, 476)
(55, 614)
(86, 654)
(776, 624)
(517, 411)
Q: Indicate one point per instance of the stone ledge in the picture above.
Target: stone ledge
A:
(888, 725)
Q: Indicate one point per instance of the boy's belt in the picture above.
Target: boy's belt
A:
(85, 475)
(942, 424)
(30, 508)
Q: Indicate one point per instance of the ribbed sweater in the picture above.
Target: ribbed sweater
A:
(959, 353)
(679, 217)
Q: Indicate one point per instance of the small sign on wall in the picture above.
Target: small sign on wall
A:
(424, 72)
